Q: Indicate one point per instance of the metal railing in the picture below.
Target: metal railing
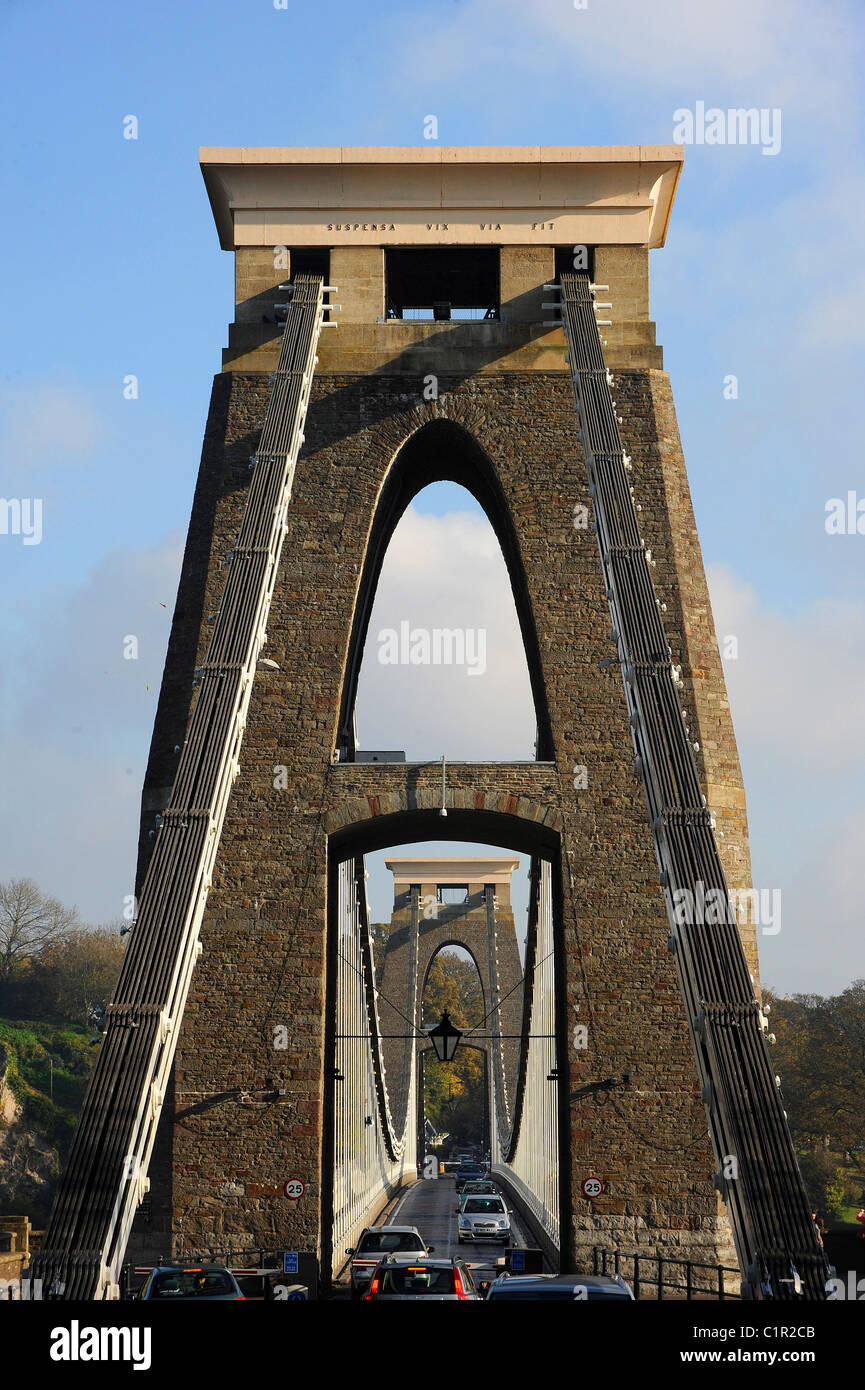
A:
(685, 1279)
(374, 1146)
(525, 1137)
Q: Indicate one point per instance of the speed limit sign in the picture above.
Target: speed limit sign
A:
(591, 1187)
(294, 1188)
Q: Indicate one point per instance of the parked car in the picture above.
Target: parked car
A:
(406, 1277)
(469, 1172)
(377, 1241)
(198, 1283)
(478, 1187)
(570, 1288)
(484, 1218)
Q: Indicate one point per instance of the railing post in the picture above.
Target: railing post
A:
(721, 1282)
(660, 1277)
(616, 1261)
(688, 1278)
(636, 1276)
(594, 1259)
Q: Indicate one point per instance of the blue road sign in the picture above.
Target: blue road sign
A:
(290, 1262)
(518, 1259)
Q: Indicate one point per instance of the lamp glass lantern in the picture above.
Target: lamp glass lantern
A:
(445, 1038)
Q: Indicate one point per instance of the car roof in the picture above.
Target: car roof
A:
(563, 1281)
(412, 1230)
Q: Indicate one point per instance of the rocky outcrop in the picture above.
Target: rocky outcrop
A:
(29, 1165)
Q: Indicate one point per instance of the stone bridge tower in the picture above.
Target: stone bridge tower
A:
(446, 364)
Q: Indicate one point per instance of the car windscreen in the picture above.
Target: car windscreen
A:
(382, 1242)
(478, 1205)
(417, 1279)
(190, 1283)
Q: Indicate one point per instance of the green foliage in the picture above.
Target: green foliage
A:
(835, 1193)
(820, 1057)
(29, 1048)
(818, 1173)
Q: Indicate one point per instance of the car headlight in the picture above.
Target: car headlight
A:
(464, 1221)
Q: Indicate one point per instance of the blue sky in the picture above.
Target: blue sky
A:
(112, 268)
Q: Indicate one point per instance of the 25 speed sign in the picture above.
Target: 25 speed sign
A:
(591, 1187)
(294, 1188)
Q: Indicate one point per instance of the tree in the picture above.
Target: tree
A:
(820, 1057)
(454, 1093)
(29, 922)
(453, 983)
(77, 976)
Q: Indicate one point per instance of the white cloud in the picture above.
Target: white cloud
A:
(797, 691)
(76, 737)
(758, 52)
(47, 423)
(797, 688)
(446, 572)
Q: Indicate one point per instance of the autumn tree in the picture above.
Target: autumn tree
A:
(77, 976)
(454, 1098)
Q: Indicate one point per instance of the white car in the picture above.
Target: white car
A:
(484, 1217)
(376, 1242)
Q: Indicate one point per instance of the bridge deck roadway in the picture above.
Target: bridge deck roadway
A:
(430, 1205)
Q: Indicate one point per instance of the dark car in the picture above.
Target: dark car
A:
(568, 1288)
(191, 1284)
(469, 1172)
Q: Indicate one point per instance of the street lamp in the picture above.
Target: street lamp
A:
(444, 1038)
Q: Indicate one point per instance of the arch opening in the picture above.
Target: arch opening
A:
(453, 1097)
(451, 941)
(430, 611)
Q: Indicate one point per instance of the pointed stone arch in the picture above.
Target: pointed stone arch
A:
(442, 449)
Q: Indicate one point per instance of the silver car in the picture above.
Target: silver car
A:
(406, 1277)
(376, 1242)
(484, 1218)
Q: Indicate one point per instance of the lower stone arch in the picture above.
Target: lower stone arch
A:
(362, 824)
